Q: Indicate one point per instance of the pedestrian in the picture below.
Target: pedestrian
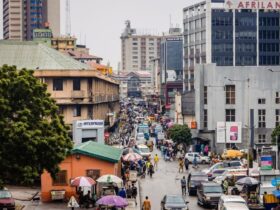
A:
(187, 164)
(156, 159)
(184, 185)
(134, 193)
(151, 170)
(129, 192)
(122, 193)
(148, 163)
(225, 186)
(195, 161)
(147, 204)
(181, 165)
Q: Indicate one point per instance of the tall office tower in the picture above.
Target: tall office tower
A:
(138, 50)
(21, 17)
(54, 18)
(171, 64)
(230, 33)
(13, 24)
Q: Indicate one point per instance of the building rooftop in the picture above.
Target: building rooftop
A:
(79, 55)
(35, 55)
(99, 151)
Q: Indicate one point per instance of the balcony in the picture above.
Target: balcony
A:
(77, 94)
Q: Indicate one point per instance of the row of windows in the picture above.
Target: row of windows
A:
(58, 84)
(223, 60)
(222, 34)
(269, 47)
(245, 35)
(269, 60)
(246, 60)
(245, 21)
(269, 21)
(222, 21)
(266, 34)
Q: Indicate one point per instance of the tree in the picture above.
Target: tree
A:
(33, 137)
(276, 135)
(180, 134)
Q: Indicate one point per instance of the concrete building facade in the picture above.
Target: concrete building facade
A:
(227, 94)
(215, 32)
(134, 84)
(81, 93)
(138, 50)
(21, 17)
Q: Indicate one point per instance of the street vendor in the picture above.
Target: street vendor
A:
(269, 201)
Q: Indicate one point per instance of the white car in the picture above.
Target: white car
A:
(200, 159)
(142, 150)
(140, 137)
(230, 199)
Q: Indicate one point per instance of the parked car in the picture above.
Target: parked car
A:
(174, 202)
(200, 159)
(194, 179)
(209, 193)
(234, 164)
(215, 173)
(142, 150)
(225, 199)
(234, 206)
(7, 202)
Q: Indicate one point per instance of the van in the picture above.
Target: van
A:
(227, 199)
(231, 154)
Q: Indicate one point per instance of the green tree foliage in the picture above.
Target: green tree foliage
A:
(180, 134)
(276, 135)
(33, 137)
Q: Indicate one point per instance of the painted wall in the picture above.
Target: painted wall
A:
(76, 167)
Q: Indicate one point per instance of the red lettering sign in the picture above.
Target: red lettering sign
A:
(240, 5)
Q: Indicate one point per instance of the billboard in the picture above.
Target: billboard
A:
(266, 162)
(231, 131)
(252, 4)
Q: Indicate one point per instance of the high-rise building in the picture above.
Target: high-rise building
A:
(138, 50)
(230, 33)
(171, 64)
(21, 17)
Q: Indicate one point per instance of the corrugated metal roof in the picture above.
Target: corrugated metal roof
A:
(34, 55)
(99, 151)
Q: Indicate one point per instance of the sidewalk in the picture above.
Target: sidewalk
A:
(22, 195)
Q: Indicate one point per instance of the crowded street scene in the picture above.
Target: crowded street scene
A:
(139, 104)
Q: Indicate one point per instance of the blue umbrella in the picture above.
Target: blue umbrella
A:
(276, 193)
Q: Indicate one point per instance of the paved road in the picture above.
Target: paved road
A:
(166, 180)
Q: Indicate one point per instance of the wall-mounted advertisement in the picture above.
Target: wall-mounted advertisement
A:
(252, 4)
(221, 132)
(233, 132)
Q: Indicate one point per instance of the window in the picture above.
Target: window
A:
(230, 115)
(93, 173)
(77, 110)
(230, 94)
(262, 138)
(205, 94)
(277, 98)
(76, 84)
(261, 114)
(261, 101)
(277, 117)
(57, 84)
(205, 119)
(61, 178)
(60, 110)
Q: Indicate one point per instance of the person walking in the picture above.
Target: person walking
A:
(181, 165)
(151, 170)
(148, 163)
(187, 162)
(147, 204)
(195, 161)
(156, 159)
(134, 193)
(184, 185)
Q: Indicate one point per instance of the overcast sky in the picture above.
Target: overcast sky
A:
(99, 23)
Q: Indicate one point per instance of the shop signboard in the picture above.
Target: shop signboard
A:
(266, 162)
(252, 4)
(229, 132)
(275, 182)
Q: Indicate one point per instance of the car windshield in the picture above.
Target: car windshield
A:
(5, 194)
(174, 199)
(212, 189)
(140, 135)
(199, 178)
(144, 150)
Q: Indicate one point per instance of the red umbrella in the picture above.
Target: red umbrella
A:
(82, 181)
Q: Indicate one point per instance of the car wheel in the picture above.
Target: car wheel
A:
(203, 162)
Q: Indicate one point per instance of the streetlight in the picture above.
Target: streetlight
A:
(248, 118)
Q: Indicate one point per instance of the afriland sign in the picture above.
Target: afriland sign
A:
(253, 4)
